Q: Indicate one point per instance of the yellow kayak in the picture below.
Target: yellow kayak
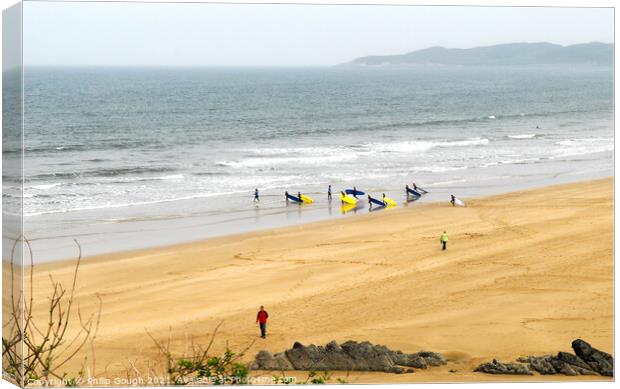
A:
(348, 199)
(306, 199)
(346, 207)
(389, 201)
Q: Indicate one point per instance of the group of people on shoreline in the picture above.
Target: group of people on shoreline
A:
(408, 192)
(416, 192)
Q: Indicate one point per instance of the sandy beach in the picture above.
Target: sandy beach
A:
(525, 273)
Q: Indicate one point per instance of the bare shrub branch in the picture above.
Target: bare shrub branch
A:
(46, 347)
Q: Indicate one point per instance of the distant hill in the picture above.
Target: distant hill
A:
(595, 53)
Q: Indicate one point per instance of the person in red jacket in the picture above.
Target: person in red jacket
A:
(261, 320)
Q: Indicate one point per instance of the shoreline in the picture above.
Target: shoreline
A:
(196, 228)
(422, 206)
(525, 273)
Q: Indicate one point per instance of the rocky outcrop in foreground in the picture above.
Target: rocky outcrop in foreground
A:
(496, 367)
(586, 361)
(349, 356)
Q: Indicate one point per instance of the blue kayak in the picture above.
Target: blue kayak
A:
(354, 192)
(294, 198)
(413, 192)
(377, 202)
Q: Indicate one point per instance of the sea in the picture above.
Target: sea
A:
(122, 158)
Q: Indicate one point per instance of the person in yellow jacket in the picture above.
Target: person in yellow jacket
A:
(444, 240)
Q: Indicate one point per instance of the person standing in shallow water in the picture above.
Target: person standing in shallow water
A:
(444, 240)
(261, 320)
(329, 193)
(256, 198)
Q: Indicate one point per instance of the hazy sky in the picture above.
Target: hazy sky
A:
(283, 35)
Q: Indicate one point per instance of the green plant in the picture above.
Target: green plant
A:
(201, 368)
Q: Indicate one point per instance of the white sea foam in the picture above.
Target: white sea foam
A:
(363, 176)
(295, 151)
(467, 142)
(444, 183)
(170, 177)
(582, 146)
(423, 145)
(510, 162)
(522, 136)
(319, 155)
(129, 204)
(282, 161)
(439, 169)
(402, 147)
(584, 141)
(109, 195)
(43, 186)
(577, 151)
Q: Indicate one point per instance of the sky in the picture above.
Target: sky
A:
(134, 34)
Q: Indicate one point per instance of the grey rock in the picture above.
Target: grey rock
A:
(562, 367)
(572, 359)
(333, 347)
(496, 367)
(588, 361)
(563, 363)
(413, 361)
(599, 361)
(330, 357)
(282, 362)
(262, 359)
(266, 361)
(542, 365)
(432, 359)
(348, 356)
(576, 363)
